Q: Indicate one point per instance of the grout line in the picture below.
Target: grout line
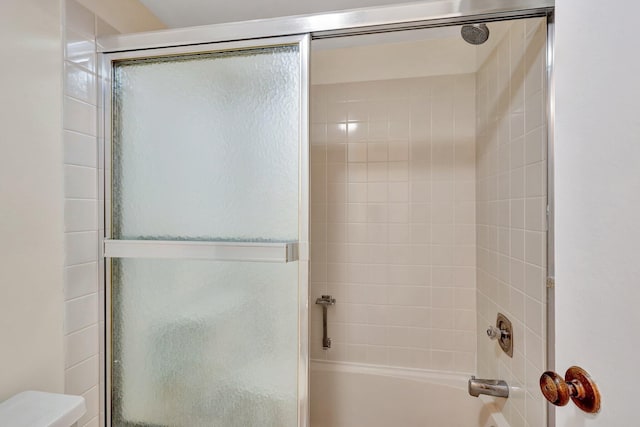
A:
(82, 198)
(81, 330)
(80, 363)
(79, 165)
(94, 137)
(82, 167)
(75, 199)
(81, 100)
(91, 135)
(91, 421)
(68, 61)
(78, 298)
(94, 356)
(81, 264)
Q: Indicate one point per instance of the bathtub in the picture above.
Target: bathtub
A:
(352, 395)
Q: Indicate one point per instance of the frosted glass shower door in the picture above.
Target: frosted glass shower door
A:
(207, 235)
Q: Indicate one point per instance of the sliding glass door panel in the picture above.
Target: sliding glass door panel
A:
(204, 343)
(205, 146)
(207, 235)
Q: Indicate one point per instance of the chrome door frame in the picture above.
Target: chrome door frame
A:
(358, 21)
(269, 252)
(551, 261)
(325, 25)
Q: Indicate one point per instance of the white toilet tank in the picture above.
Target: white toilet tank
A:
(40, 409)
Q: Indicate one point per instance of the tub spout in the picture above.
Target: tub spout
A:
(496, 388)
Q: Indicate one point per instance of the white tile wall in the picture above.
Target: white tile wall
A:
(393, 216)
(393, 221)
(511, 204)
(84, 317)
(79, 149)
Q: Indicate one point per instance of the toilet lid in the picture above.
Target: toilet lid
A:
(40, 409)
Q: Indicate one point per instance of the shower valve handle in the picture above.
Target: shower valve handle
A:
(503, 333)
(496, 333)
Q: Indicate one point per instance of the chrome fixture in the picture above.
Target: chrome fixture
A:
(325, 301)
(503, 332)
(497, 388)
(475, 34)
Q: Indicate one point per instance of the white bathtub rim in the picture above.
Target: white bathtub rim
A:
(498, 420)
(455, 380)
(451, 379)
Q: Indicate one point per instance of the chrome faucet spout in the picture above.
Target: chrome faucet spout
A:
(497, 388)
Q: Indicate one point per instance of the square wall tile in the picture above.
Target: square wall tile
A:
(80, 215)
(80, 116)
(80, 378)
(80, 149)
(81, 345)
(80, 49)
(511, 212)
(81, 313)
(81, 247)
(402, 223)
(80, 83)
(80, 280)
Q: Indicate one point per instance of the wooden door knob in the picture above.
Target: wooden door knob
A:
(554, 388)
(577, 385)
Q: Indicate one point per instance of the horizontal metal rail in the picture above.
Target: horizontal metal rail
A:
(357, 21)
(219, 251)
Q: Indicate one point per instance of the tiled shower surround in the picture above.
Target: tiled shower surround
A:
(406, 177)
(393, 221)
(84, 291)
(511, 214)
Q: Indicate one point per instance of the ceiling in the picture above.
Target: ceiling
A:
(186, 13)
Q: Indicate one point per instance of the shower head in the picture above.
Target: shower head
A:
(475, 33)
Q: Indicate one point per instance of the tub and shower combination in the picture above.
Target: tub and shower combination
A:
(420, 185)
(401, 185)
(351, 395)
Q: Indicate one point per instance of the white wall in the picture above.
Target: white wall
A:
(126, 16)
(31, 242)
(597, 176)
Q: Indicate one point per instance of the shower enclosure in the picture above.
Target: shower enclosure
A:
(208, 235)
(218, 217)
(428, 205)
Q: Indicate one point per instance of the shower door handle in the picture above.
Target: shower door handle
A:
(325, 301)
